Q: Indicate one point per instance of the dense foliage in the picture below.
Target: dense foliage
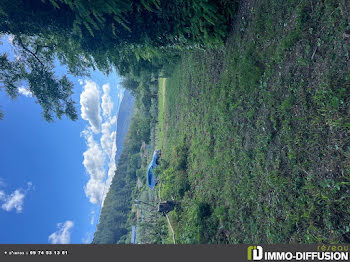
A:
(135, 37)
(34, 69)
(254, 133)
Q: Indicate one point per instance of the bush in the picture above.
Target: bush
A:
(174, 183)
(180, 153)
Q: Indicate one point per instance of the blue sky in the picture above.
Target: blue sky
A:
(54, 176)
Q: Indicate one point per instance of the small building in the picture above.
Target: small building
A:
(166, 206)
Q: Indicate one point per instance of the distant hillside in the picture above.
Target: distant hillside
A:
(113, 226)
(123, 122)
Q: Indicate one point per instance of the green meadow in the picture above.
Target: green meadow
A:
(255, 134)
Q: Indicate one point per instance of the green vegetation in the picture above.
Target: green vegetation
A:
(134, 37)
(253, 123)
(34, 69)
(256, 134)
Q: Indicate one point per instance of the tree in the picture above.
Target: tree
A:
(136, 37)
(33, 68)
(130, 84)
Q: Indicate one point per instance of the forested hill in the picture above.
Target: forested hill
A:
(123, 122)
(117, 205)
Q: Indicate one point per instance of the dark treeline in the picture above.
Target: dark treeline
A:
(135, 37)
(107, 23)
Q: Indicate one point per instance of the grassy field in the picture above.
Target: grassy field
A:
(256, 135)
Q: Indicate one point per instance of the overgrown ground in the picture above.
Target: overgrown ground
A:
(256, 135)
(161, 108)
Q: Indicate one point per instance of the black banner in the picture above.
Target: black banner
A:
(174, 253)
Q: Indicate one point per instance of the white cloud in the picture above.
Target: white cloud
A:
(108, 137)
(93, 216)
(94, 161)
(94, 157)
(25, 91)
(100, 154)
(90, 105)
(14, 200)
(87, 239)
(107, 104)
(62, 235)
(94, 190)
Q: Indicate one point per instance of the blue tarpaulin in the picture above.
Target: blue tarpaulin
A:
(133, 235)
(151, 180)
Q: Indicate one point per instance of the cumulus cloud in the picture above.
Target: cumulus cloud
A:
(90, 105)
(94, 190)
(108, 137)
(25, 91)
(100, 154)
(15, 200)
(95, 158)
(107, 104)
(94, 161)
(62, 235)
